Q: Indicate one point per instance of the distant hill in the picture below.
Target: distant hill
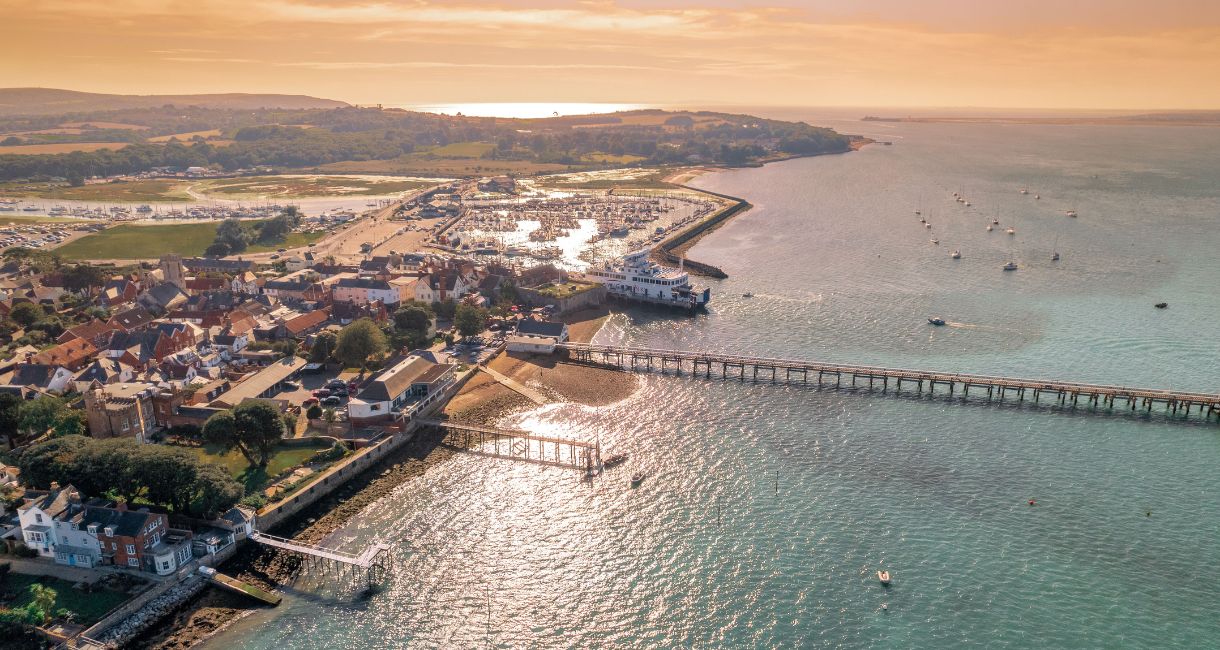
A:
(52, 101)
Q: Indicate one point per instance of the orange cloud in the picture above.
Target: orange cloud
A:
(427, 51)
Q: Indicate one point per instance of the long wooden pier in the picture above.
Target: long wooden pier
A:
(364, 560)
(515, 444)
(788, 371)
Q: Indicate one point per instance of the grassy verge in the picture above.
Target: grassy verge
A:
(88, 607)
(255, 478)
(25, 220)
(301, 186)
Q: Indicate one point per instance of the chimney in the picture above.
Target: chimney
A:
(54, 485)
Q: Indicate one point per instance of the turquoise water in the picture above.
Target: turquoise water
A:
(768, 509)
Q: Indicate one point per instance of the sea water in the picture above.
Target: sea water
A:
(767, 510)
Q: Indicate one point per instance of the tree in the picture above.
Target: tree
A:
(43, 598)
(412, 319)
(358, 342)
(329, 416)
(50, 461)
(217, 249)
(232, 233)
(10, 411)
(169, 475)
(83, 278)
(27, 313)
(253, 428)
(313, 412)
(323, 347)
(469, 320)
(50, 414)
(215, 491)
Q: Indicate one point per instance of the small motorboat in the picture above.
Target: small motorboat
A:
(1037, 196)
(1011, 266)
(934, 240)
(995, 222)
(927, 225)
(1071, 213)
(884, 577)
(1055, 256)
(614, 459)
(636, 479)
(1161, 305)
(956, 254)
(747, 295)
(936, 321)
(1011, 231)
(990, 228)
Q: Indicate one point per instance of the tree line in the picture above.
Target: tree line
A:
(122, 468)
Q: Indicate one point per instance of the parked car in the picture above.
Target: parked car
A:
(336, 383)
(309, 401)
(291, 385)
(321, 392)
(333, 400)
(340, 392)
(281, 250)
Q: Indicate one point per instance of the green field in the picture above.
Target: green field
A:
(302, 186)
(460, 150)
(89, 608)
(624, 159)
(117, 192)
(252, 477)
(129, 241)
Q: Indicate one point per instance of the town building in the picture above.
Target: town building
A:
(123, 410)
(399, 391)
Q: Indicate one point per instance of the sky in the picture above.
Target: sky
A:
(1089, 54)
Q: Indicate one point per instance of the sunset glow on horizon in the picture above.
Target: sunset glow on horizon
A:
(1121, 54)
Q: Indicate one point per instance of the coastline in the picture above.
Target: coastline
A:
(673, 249)
(483, 400)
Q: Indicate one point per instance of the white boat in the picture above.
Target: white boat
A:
(1011, 231)
(884, 577)
(635, 277)
(990, 228)
(1011, 266)
(927, 225)
(956, 254)
(1071, 213)
(1024, 190)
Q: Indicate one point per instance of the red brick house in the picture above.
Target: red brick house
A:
(138, 539)
(95, 331)
(73, 355)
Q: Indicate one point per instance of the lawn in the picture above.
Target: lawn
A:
(254, 478)
(146, 242)
(89, 608)
(566, 289)
(129, 241)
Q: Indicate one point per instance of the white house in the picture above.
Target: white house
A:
(365, 290)
(537, 337)
(37, 517)
(245, 283)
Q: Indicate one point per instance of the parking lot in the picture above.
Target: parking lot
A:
(309, 382)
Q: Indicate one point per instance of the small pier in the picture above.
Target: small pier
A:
(369, 563)
(515, 444)
(788, 371)
(244, 588)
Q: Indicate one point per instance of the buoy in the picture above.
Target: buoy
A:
(885, 607)
(1032, 502)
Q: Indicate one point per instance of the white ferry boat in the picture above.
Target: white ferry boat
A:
(635, 277)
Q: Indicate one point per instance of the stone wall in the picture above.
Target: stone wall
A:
(595, 296)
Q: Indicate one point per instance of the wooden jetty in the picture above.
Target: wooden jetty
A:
(515, 444)
(369, 563)
(788, 371)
